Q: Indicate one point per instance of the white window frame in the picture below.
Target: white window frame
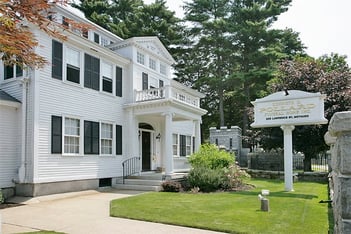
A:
(140, 58)
(70, 135)
(163, 69)
(152, 64)
(104, 138)
(104, 75)
(175, 145)
(66, 63)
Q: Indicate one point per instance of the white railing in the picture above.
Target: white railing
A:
(167, 92)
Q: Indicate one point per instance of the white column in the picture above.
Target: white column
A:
(168, 144)
(197, 134)
(288, 157)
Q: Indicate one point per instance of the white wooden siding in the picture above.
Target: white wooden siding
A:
(60, 98)
(9, 145)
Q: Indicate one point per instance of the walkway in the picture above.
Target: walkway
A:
(80, 212)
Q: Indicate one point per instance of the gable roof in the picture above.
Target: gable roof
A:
(150, 44)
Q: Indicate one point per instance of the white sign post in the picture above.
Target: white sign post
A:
(288, 109)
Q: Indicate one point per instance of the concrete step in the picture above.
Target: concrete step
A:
(142, 182)
(137, 187)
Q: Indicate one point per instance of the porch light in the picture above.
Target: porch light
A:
(158, 137)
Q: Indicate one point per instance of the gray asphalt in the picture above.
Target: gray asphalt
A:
(77, 213)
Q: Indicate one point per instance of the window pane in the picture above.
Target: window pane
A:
(71, 139)
(8, 70)
(73, 74)
(140, 58)
(106, 70)
(107, 85)
(19, 71)
(152, 64)
(163, 69)
(73, 57)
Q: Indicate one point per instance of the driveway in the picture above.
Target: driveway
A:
(79, 212)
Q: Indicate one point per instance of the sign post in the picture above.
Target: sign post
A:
(286, 109)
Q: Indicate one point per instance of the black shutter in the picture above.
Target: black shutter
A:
(56, 134)
(182, 145)
(160, 83)
(193, 144)
(119, 81)
(145, 81)
(118, 139)
(91, 137)
(91, 72)
(56, 71)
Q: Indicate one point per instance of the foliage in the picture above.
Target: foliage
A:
(2, 199)
(234, 212)
(171, 186)
(132, 18)
(209, 156)
(17, 42)
(231, 53)
(234, 177)
(329, 75)
(206, 179)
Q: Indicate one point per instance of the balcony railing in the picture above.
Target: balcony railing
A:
(167, 92)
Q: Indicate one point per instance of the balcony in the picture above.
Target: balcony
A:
(183, 95)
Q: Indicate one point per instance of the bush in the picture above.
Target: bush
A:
(208, 180)
(234, 177)
(209, 156)
(2, 199)
(171, 186)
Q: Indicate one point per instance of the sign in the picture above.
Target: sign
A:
(291, 107)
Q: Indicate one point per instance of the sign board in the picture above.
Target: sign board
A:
(292, 107)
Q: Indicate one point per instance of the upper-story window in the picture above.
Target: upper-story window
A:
(106, 77)
(163, 69)
(140, 58)
(105, 41)
(152, 63)
(97, 38)
(12, 71)
(72, 65)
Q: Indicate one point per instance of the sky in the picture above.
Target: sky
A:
(322, 24)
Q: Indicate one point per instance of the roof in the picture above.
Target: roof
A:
(8, 100)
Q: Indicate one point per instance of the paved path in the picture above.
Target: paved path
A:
(82, 212)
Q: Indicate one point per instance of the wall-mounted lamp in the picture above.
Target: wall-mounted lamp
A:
(158, 137)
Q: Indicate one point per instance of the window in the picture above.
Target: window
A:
(65, 22)
(119, 141)
(56, 70)
(119, 81)
(145, 81)
(163, 69)
(188, 145)
(105, 41)
(152, 64)
(140, 58)
(91, 72)
(85, 33)
(12, 71)
(56, 134)
(72, 65)
(175, 144)
(106, 138)
(96, 38)
(91, 137)
(106, 77)
(71, 136)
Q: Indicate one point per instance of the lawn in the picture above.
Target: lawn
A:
(234, 212)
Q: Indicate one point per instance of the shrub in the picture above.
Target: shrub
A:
(171, 186)
(234, 177)
(208, 180)
(2, 199)
(209, 156)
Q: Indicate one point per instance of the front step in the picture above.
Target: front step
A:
(138, 187)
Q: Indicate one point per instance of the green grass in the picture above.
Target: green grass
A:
(234, 212)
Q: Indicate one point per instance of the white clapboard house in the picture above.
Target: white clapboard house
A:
(102, 107)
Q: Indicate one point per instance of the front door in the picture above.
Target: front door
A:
(146, 150)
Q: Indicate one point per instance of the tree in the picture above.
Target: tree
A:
(132, 18)
(329, 75)
(17, 42)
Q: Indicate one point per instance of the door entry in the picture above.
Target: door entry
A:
(146, 150)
